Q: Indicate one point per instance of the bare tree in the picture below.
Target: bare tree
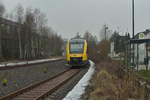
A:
(2, 9)
(105, 33)
(77, 35)
(28, 29)
(34, 38)
(20, 18)
(9, 16)
(103, 48)
(92, 44)
(41, 30)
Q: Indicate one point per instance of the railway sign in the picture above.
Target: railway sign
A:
(141, 36)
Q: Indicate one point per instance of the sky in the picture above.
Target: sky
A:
(67, 17)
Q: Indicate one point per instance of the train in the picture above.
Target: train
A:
(77, 52)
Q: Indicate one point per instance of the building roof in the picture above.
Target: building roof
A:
(136, 41)
(8, 22)
(146, 32)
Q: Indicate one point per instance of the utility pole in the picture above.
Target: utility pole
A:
(133, 22)
(133, 18)
(147, 61)
(0, 40)
(137, 57)
(1, 31)
(105, 29)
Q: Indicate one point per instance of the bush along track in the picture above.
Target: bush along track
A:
(111, 82)
(145, 74)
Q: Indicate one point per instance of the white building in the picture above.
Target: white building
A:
(141, 54)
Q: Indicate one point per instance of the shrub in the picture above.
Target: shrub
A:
(45, 70)
(4, 82)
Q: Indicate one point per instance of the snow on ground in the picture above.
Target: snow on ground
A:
(79, 89)
(28, 62)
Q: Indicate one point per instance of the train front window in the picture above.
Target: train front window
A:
(76, 47)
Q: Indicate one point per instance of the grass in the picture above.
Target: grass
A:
(108, 86)
(112, 83)
(145, 73)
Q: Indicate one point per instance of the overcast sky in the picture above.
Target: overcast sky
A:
(68, 17)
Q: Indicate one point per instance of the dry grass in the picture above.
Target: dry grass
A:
(111, 83)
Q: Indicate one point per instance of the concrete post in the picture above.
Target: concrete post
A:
(0, 40)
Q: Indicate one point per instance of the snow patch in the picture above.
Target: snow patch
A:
(79, 89)
(28, 62)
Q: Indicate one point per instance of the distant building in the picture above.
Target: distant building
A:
(143, 35)
(118, 44)
(142, 46)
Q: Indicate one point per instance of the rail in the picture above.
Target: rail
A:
(40, 90)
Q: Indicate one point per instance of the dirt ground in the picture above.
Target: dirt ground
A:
(110, 82)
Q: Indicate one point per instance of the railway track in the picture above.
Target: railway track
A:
(41, 90)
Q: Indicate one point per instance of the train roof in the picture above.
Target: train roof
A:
(74, 40)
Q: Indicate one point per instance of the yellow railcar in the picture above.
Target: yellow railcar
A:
(76, 52)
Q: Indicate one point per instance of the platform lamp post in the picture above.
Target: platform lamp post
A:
(133, 19)
(133, 22)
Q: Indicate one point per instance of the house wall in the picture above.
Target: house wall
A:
(147, 36)
(142, 53)
(112, 52)
(142, 50)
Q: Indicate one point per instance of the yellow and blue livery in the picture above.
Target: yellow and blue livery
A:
(76, 52)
